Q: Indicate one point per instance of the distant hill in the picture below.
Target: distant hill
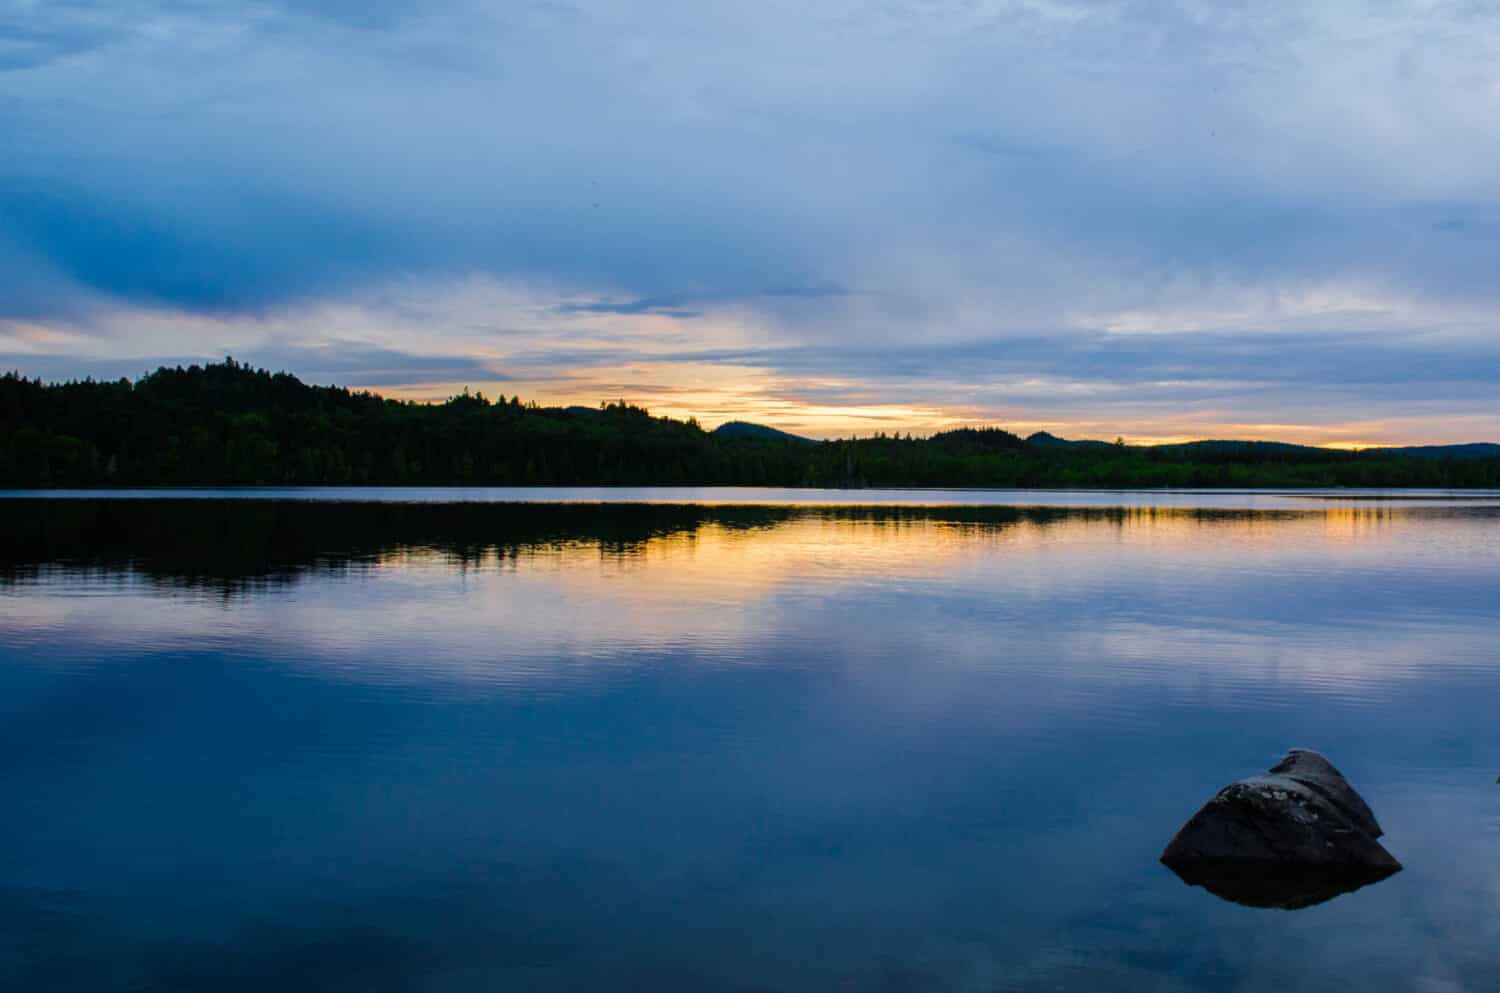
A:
(744, 429)
(1248, 452)
(1043, 439)
(1211, 450)
(1480, 450)
(1261, 451)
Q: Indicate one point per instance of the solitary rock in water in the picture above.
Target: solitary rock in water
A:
(1295, 837)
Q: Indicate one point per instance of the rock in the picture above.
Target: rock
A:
(1312, 770)
(1294, 837)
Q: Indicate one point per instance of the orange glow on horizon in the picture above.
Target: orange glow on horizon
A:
(775, 404)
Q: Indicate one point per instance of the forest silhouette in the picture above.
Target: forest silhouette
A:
(229, 424)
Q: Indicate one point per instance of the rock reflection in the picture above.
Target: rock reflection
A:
(1284, 889)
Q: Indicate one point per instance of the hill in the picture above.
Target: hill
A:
(744, 429)
(1250, 452)
(1260, 451)
(1042, 439)
(1481, 450)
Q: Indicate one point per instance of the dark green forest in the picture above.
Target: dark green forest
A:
(229, 424)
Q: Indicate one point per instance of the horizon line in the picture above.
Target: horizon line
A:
(447, 393)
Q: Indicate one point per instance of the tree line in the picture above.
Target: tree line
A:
(229, 424)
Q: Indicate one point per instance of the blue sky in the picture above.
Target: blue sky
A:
(1153, 219)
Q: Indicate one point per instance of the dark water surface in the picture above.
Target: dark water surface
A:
(262, 744)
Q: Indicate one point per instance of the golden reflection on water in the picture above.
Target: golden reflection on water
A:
(840, 544)
(1113, 595)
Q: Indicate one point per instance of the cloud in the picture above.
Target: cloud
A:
(239, 159)
(890, 187)
(664, 306)
(690, 305)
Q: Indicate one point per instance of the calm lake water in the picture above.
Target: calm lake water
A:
(934, 744)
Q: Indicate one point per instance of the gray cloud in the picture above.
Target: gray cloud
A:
(691, 305)
(296, 149)
(885, 189)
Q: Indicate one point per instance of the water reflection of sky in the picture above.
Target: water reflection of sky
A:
(824, 753)
(713, 496)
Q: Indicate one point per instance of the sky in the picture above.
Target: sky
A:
(1153, 220)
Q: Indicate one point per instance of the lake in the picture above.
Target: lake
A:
(743, 741)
